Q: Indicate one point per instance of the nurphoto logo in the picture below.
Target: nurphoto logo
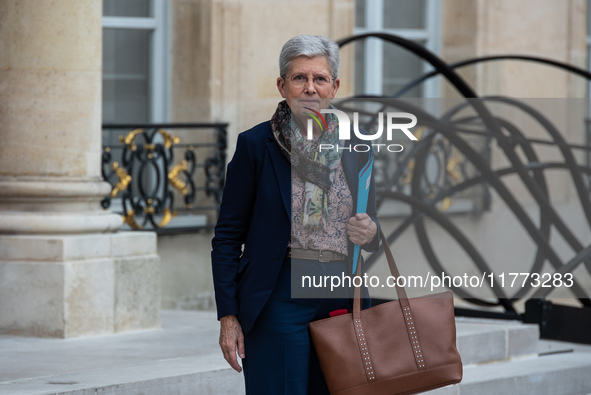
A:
(345, 129)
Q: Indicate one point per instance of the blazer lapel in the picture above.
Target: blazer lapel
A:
(283, 173)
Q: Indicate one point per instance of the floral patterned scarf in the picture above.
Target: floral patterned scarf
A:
(316, 168)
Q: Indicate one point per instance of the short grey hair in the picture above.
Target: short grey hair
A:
(310, 46)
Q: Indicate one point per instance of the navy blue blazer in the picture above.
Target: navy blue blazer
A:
(254, 226)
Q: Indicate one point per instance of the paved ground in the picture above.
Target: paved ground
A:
(40, 366)
(186, 346)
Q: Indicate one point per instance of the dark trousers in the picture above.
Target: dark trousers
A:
(280, 358)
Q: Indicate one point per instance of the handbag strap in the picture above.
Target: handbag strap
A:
(400, 291)
(406, 313)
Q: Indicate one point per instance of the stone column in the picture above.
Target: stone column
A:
(62, 272)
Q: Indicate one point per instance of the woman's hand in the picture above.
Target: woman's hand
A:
(231, 338)
(361, 229)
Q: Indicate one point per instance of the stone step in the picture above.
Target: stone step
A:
(203, 375)
(555, 374)
(184, 358)
(564, 374)
(484, 340)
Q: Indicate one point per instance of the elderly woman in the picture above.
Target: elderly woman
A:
(274, 216)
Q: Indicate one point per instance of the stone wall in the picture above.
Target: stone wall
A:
(545, 28)
(187, 282)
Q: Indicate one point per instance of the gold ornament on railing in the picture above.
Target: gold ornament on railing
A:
(173, 177)
(128, 140)
(124, 179)
(169, 140)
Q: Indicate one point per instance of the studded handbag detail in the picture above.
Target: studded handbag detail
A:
(405, 346)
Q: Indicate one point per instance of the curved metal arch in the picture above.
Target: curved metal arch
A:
(442, 220)
(541, 197)
(542, 201)
(458, 82)
(539, 177)
(535, 184)
(550, 62)
(462, 87)
(489, 175)
(434, 214)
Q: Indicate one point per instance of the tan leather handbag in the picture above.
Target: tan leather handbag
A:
(401, 347)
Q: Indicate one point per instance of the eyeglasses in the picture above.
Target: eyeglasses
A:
(301, 80)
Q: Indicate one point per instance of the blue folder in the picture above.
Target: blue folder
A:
(362, 198)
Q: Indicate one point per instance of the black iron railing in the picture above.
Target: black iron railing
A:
(165, 177)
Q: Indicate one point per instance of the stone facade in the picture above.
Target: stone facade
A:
(65, 273)
(551, 29)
